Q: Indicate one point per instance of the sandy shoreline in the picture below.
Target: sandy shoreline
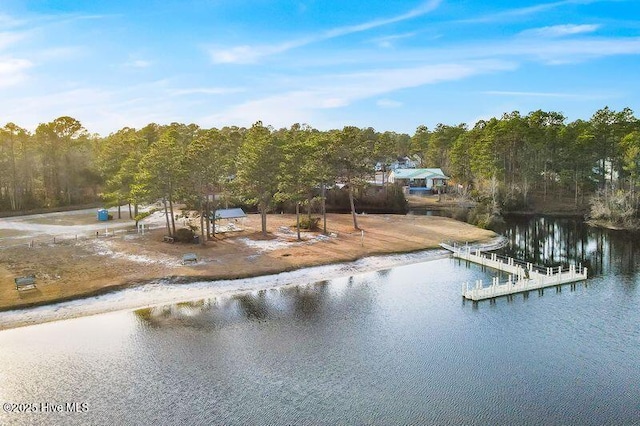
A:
(165, 292)
(95, 275)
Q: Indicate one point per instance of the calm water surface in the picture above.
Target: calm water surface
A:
(395, 346)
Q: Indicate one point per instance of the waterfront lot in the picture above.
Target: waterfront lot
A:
(71, 268)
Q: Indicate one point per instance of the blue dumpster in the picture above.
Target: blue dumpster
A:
(103, 215)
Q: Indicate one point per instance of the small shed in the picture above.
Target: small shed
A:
(231, 216)
(103, 215)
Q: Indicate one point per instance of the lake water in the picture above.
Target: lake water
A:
(392, 347)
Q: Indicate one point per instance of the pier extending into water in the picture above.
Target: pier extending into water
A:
(523, 276)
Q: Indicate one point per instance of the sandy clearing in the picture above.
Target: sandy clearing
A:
(81, 223)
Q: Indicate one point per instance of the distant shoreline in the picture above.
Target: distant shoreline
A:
(605, 224)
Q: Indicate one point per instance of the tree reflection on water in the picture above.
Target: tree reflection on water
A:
(552, 241)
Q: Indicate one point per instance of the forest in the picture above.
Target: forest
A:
(505, 164)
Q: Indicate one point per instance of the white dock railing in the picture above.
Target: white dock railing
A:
(536, 281)
(523, 277)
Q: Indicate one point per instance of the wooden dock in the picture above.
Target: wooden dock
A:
(523, 277)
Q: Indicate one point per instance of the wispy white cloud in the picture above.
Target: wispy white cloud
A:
(32, 24)
(206, 91)
(527, 11)
(388, 103)
(552, 51)
(534, 94)
(7, 21)
(245, 54)
(388, 41)
(75, 99)
(423, 9)
(10, 38)
(99, 109)
(571, 51)
(337, 91)
(308, 97)
(13, 71)
(137, 63)
(560, 30)
(64, 19)
(559, 95)
(59, 53)
(298, 90)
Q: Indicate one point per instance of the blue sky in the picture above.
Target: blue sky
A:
(392, 65)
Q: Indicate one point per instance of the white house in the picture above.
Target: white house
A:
(403, 163)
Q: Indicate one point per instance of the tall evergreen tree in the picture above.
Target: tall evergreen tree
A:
(160, 174)
(257, 169)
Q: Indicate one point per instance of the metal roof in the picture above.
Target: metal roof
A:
(419, 174)
(229, 213)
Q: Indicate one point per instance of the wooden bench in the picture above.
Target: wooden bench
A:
(189, 258)
(25, 283)
(168, 239)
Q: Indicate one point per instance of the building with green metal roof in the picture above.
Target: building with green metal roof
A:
(420, 180)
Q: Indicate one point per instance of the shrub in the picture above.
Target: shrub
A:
(619, 208)
(459, 213)
(310, 223)
(513, 202)
(184, 235)
(478, 218)
(390, 199)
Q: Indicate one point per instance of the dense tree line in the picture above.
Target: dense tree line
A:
(510, 158)
(54, 166)
(541, 152)
(504, 161)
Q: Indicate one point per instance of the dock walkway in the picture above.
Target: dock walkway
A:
(523, 276)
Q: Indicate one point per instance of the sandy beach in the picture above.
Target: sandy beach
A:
(87, 275)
